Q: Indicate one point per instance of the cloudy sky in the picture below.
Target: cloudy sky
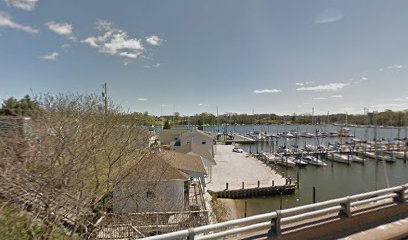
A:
(191, 56)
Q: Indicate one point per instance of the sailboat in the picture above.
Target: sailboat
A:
(339, 158)
(314, 161)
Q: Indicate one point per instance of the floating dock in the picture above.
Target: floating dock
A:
(255, 192)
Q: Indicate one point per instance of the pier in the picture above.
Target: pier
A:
(255, 192)
(238, 169)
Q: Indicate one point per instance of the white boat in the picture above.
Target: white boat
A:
(333, 134)
(398, 154)
(270, 158)
(286, 161)
(345, 132)
(310, 148)
(379, 156)
(314, 161)
(287, 135)
(307, 135)
(299, 162)
(357, 159)
(339, 158)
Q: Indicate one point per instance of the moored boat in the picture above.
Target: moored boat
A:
(314, 161)
(355, 158)
(339, 158)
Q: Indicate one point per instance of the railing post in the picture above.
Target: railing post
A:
(191, 234)
(345, 210)
(276, 225)
(400, 198)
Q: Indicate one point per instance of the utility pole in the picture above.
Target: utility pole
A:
(174, 112)
(313, 116)
(218, 122)
(105, 97)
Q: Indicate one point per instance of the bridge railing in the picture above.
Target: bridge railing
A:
(274, 220)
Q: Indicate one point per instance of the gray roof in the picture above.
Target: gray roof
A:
(152, 167)
(184, 162)
(197, 149)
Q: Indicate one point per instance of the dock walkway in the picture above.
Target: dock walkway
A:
(235, 168)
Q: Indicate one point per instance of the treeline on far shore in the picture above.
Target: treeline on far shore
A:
(27, 105)
(385, 118)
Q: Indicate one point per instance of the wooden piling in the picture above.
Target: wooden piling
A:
(280, 202)
(314, 194)
(246, 206)
(297, 179)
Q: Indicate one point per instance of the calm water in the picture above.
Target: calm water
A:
(335, 180)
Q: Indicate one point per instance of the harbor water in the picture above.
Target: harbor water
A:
(335, 180)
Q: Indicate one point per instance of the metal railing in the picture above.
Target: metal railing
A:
(134, 225)
(274, 220)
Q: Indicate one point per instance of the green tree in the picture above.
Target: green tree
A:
(166, 125)
(10, 106)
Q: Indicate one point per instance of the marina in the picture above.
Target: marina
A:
(330, 179)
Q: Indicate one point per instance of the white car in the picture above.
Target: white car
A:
(237, 150)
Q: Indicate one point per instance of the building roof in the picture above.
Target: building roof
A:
(184, 162)
(197, 149)
(194, 132)
(151, 167)
(168, 135)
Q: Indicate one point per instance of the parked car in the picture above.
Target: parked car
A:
(237, 150)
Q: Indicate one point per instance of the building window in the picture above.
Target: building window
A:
(149, 194)
(204, 142)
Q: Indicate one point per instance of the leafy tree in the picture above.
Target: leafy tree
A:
(166, 125)
(14, 107)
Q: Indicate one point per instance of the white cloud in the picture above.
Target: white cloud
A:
(129, 55)
(7, 21)
(327, 87)
(304, 83)
(336, 96)
(64, 29)
(27, 5)
(200, 104)
(51, 56)
(66, 45)
(364, 78)
(329, 15)
(400, 99)
(267, 91)
(320, 98)
(115, 41)
(392, 67)
(143, 99)
(154, 40)
(394, 106)
(153, 66)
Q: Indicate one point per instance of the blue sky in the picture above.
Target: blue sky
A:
(271, 56)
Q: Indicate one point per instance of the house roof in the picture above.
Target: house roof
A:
(194, 132)
(197, 149)
(151, 167)
(168, 135)
(184, 162)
